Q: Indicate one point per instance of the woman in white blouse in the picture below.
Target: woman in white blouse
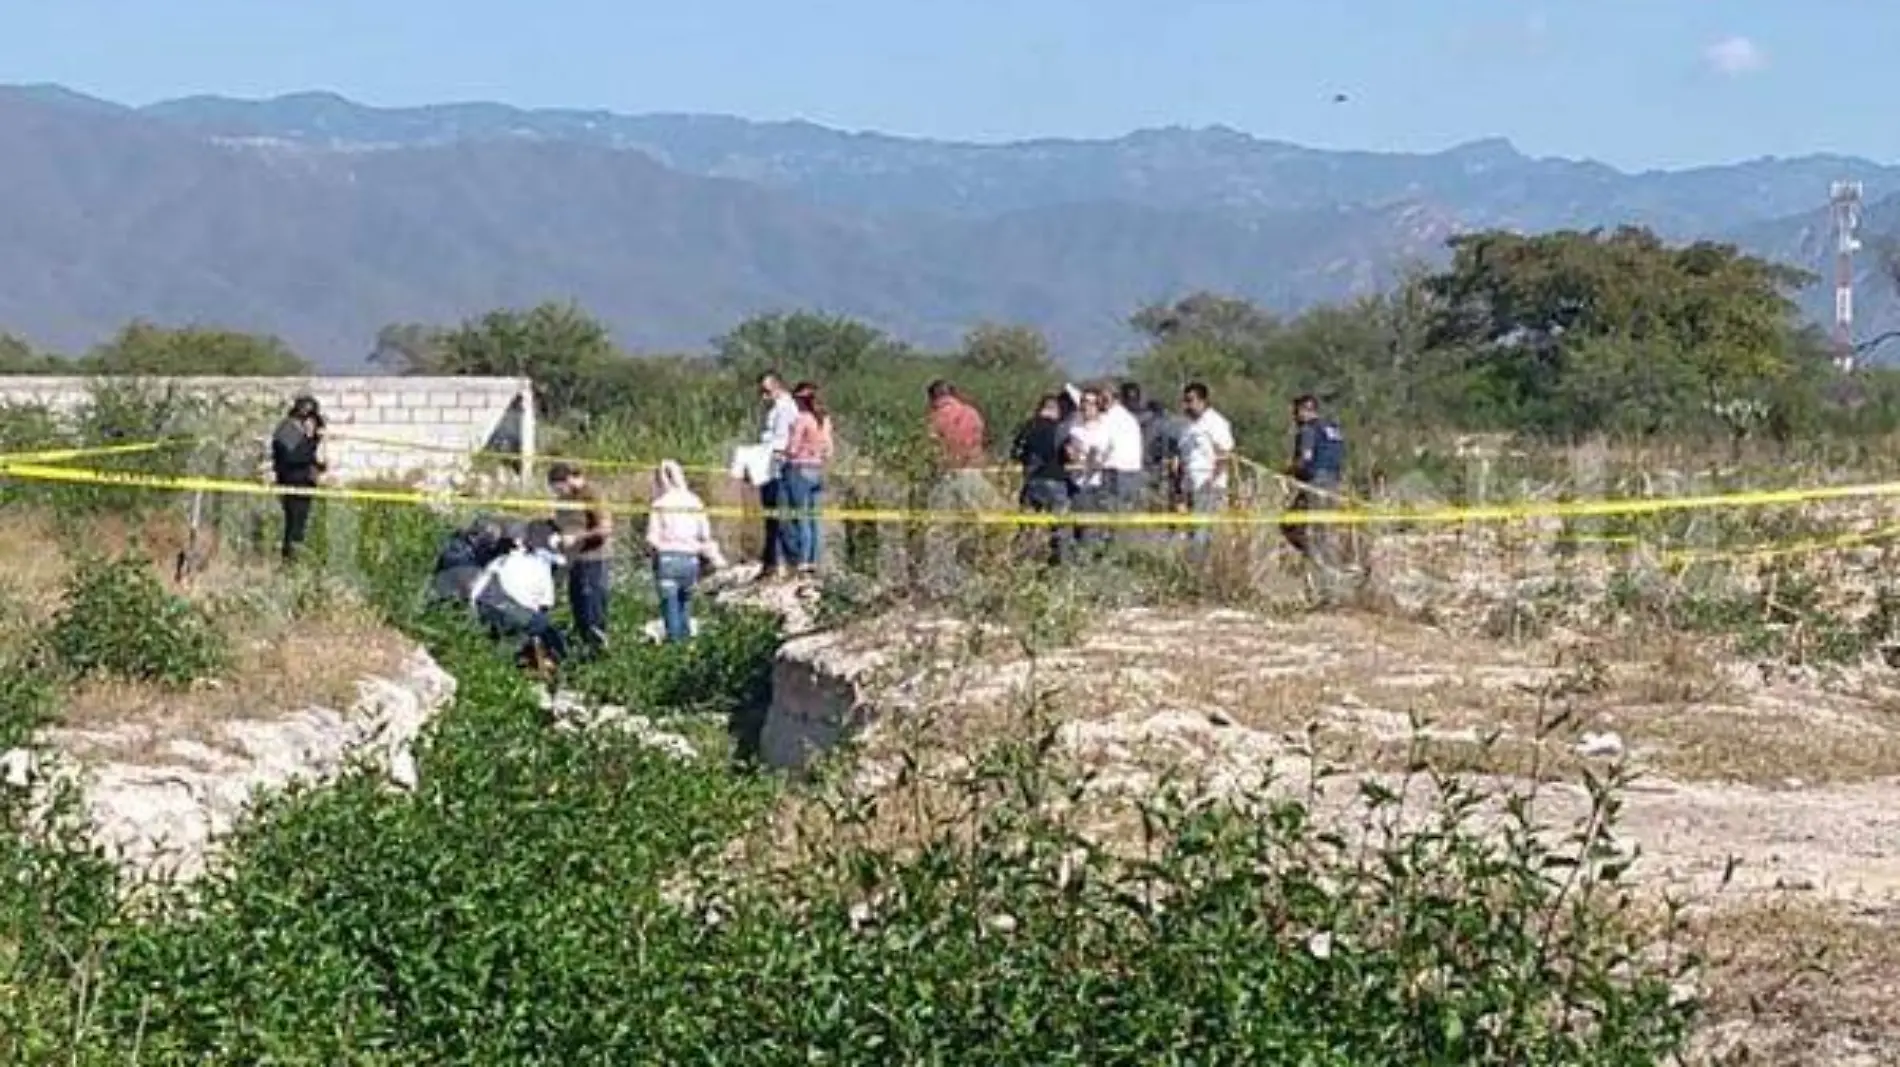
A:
(1089, 443)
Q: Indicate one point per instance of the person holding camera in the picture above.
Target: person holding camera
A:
(296, 455)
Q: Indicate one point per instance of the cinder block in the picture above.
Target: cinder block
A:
(392, 416)
(442, 399)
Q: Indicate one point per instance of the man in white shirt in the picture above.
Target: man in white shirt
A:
(1123, 462)
(515, 594)
(1207, 453)
(780, 412)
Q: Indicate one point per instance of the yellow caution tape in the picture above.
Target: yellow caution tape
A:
(61, 455)
(40, 471)
(1779, 550)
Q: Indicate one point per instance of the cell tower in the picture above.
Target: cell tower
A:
(1844, 199)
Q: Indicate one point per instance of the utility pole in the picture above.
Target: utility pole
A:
(1844, 202)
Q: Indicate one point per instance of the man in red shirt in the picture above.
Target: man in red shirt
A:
(952, 540)
(957, 426)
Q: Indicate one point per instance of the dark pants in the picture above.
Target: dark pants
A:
(1085, 500)
(1311, 539)
(505, 618)
(587, 598)
(296, 519)
(777, 546)
(1050, 496)
(1128, 492)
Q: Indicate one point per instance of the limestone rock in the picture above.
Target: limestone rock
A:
(570, 711)
(159, 805)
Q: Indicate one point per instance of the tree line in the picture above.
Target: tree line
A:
(1557, 336)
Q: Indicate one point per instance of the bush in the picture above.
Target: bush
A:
(119, 621)
(550, 897)
(1241, 931)
(727, 670)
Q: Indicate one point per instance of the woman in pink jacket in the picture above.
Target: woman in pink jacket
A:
(805, 457)
(680, 538)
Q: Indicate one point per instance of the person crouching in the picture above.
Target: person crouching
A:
(680, 537)
(514, 597)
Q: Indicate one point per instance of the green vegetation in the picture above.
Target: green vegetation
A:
(118, 621)
(1557, 337)
(549, 896)
(546, 896)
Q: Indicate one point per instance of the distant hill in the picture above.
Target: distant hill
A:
(322, 220)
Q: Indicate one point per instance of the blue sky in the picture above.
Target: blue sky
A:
(1637, 83)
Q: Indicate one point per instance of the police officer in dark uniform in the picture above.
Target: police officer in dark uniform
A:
(1318, 468)
(296, 459)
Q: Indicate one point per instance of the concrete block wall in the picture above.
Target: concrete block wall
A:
(380, 427)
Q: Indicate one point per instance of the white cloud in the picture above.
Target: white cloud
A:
(1735, 56)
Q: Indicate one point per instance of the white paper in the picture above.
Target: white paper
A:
(752, 463)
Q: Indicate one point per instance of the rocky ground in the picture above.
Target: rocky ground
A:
(1769, 796)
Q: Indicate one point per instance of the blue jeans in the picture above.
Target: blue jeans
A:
(587, 587)
(674, 575)
(802, 486)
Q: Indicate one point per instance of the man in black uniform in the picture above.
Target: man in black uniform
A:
(1041, 447)
(1318, 469)
(296, 460)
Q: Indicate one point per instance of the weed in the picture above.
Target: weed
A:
(118, 621)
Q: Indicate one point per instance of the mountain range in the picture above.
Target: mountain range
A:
(321, 220)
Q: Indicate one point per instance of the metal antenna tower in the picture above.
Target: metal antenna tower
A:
(1844, 201)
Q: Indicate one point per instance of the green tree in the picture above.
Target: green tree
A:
(805, 345)
(18, 357)
(192, 351)
(1561, 328)
(1008, 350)
(559, 346)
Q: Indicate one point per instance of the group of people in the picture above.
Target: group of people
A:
(506, 572)
(1095, 450)
(797, 438)
(1101, 450)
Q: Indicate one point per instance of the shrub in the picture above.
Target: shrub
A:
(727, 670)
(1238, 931)
(119, 621)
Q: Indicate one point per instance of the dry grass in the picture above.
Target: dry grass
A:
(1800, 983)
(283, 659)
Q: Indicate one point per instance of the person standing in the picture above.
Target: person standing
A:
(958, 429)
(1086, 451)
(807, 451)
(586, 538)
(781, 411)
(1122, 464)
(681, 540)
(1317, 470)
(1207, 455)
(1161, 454)
(296, 455)
(1042, 450)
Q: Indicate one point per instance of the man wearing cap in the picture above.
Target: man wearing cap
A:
(586, 539)
(296, 461)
